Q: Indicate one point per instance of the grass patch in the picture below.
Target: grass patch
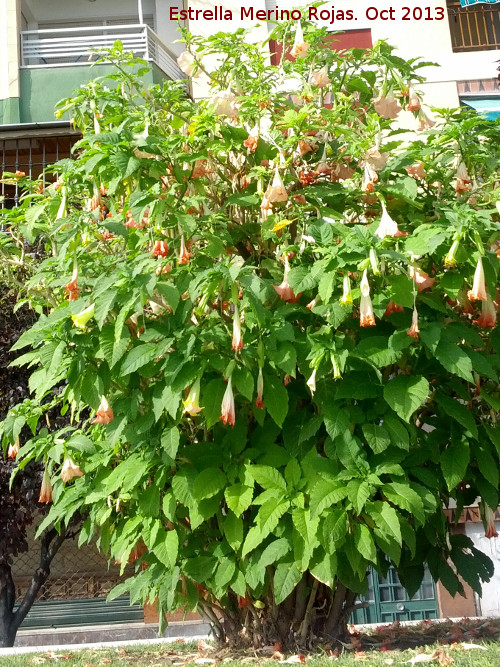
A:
(184, 655)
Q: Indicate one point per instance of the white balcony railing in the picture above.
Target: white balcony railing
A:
(70, 46)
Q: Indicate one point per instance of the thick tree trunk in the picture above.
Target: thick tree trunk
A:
(10, 620)
(312, 614)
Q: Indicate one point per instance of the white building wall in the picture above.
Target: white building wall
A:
(490, 599)
(9, 49)
(412, 38)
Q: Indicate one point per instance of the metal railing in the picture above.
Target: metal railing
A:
(474, 28)
(70, 46)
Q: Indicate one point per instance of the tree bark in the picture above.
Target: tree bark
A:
(10, 620)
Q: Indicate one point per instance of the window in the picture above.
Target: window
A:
(474, 28)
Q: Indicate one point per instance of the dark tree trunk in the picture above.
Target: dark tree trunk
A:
(10, 620)
(312, 614)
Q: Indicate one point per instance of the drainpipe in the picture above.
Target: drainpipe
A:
(139, 11)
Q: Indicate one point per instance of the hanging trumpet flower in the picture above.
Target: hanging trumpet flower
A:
(478, 291)
(276, 192)
(46, 488)
(104, 414)
(337, 375)
(346, 299)
(488, 317)
(237, 338)
(488, 517)
(192, 402)
(321, 78)
(81, 319)
(70, 470)
(300, 46)
(71, 288)
(311, 383)
(413, 331)
(284, 291)
(260, 390)
(366, 316)
(13, 450)
(228, 415)
(183, 252)
(450, 260)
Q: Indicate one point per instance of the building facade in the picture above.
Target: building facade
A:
(44, 56)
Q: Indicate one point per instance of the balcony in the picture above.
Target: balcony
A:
(54, 62)
(474, 28)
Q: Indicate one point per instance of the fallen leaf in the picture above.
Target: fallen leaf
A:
(389, 661)
(295, 658)
(469, 647)
(203, 646)
(421, 657)
(105, 661)
(204, 661)
(442, 657)
(360, 655)
(121, 651)
(277, 655)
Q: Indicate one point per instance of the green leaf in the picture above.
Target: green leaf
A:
(212, 395)
(286, 577)
(455, 360)
(325, 569)
(301, 279)
(397, 432)
(233, 530)
(167, 548)
(336, 420)
(405, 497)
(208, 483)
(267, 477)
(306, 526)
(200, 568)
(405, 394)
(103, 305)
(284, 357)
(386, 519)
(458, 412)
(334, 528)
(454, 461)
(165, 399)
(364, 542)
(358, 492)
(224, 573)
(149, 501)
(243, 381)
(170, 439)
(266, 521)
(238, 498)
(274, 552)
(325, 493)
(137, 357)
(487, 465)
(276, 398)
(377, 437)
(376, 350)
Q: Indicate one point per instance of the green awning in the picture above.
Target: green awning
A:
(487, 107)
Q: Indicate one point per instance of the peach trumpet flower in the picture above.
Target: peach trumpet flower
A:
(300, 46)
(413, 331)
(72, 290)
(366, 316)
(13, 450)
(284, 291)
(478, 291)
(488, 317)
(104, 414)
(237, 338)
(70, 470)
(46, 488)
(228, 414)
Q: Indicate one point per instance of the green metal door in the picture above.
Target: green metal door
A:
(388, 601)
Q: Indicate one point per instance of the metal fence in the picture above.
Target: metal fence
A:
(71, 46)
(475, 28)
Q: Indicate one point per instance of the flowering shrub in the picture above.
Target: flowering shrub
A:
(273, 323)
